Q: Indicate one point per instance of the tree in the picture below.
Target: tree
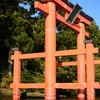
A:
(19, 28)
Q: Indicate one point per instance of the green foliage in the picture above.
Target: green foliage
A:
(66, 74)
(19, 29)
(66, 40)
(6, 80)
(33, 71)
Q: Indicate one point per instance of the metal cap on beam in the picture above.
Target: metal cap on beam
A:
(90, 41)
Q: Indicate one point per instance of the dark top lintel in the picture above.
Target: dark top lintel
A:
(82, 13)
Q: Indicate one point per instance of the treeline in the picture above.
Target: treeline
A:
(24, 28)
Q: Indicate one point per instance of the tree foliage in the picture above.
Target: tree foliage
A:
(24, 28)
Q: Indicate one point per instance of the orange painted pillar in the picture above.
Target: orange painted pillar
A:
(90, 70)
(16, 74)
(50, 48)
(81, 61)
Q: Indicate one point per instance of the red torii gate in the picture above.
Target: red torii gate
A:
(84, 54)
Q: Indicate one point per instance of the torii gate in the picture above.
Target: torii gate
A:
(84, 54)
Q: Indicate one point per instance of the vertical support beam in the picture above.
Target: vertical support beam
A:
(81, 61)
(16, 74)
(50, 48)
(90, 71)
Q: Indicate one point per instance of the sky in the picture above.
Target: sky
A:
(90, 7)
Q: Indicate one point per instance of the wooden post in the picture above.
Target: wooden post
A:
(16, 74)
(81, 60)
(50, 48)
(90, 70)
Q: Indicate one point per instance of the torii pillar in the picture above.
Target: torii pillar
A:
(81, 60)
(50, 49)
